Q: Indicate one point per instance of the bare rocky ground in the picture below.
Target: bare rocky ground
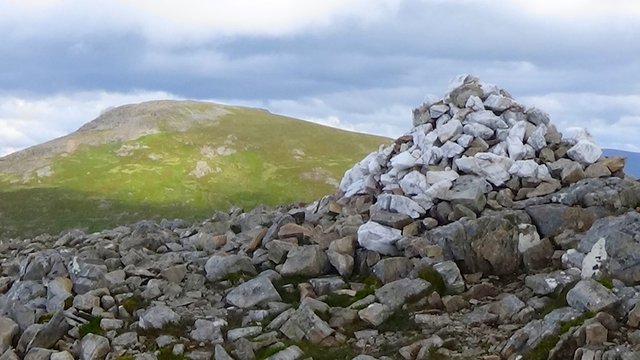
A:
(481, 234)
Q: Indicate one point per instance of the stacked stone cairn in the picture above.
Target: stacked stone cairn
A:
(480, 234)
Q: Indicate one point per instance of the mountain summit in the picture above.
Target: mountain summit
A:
(164, 158)
(121, 124)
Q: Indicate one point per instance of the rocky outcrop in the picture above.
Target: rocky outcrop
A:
(480, 234)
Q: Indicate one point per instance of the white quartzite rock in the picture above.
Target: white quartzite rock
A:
(438, 110)
(423, 136)
(515, 148)
(537, 138)
(492, 167)
(400, 204)
(594, 260)
(478, 130)
(451, 149)
(449, 130)
(437, 176)
(537, 116)
(373, 236)
(465, 140)
(487, 118)
(585, 151)
(430, 156)
(414, 183)
(529, 169)
(498, 102)
(354, 180)
(475, 103)
(404, 160)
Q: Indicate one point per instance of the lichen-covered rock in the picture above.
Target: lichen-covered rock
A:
(590, 295)
(255, 291)
(219, 267)
(451, 275)
(158, 317)
(8, 330)
(397, 293)
(94, 347)
(308, 260)
(616, 240)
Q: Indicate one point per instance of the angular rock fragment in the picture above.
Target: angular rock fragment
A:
(158, 317)
(253, 292)
(308, 260)
(590, 295)
(373, 236)
(219, 267)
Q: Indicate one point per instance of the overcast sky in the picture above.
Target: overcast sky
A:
(356, 64)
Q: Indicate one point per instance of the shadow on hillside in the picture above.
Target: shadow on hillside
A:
(29, 212)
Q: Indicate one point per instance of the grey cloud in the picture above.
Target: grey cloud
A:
(361, 75)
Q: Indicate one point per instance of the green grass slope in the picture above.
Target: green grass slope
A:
(244, 157)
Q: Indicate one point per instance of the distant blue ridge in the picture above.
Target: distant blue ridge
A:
(632, 165)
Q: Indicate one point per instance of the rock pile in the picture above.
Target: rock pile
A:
(481, 234)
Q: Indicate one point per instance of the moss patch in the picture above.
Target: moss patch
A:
(132, 304)
(91, 327)
(238, 277)
(126, 357)
(344, 300)
(45, 318)
(318, 352)
(178, 330)
(269, 351)
(400, 320)
(434, 278)
(287, 287)
(435, 355)
(166, 353)
(558, 300)
(541, 351)
(605, 281)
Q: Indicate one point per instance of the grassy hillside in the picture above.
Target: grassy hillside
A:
(245, 157)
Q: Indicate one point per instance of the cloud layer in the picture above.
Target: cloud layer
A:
(356, 64)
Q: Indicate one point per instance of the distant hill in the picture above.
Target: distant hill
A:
(171, 159)
(632, 166)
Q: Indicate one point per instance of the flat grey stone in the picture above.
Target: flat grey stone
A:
(308, 260)
(158, 317)
(590, 295)
(253, 292)
(219, 267)
(94, 347)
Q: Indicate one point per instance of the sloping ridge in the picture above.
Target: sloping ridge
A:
(164, 158)
(123, 123)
